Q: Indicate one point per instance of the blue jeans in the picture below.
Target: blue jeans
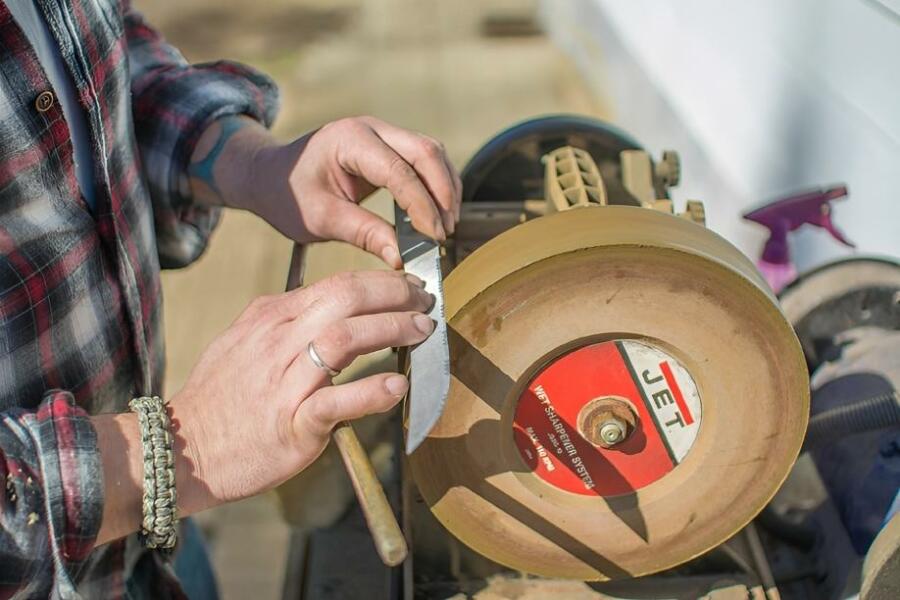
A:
(192, 565)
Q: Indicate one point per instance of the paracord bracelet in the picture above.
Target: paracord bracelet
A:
(160, 517)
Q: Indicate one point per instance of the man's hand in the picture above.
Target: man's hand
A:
(256, 409)
(311, 189)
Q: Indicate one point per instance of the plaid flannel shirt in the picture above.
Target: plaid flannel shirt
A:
(80, 310)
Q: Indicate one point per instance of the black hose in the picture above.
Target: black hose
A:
(869, 414)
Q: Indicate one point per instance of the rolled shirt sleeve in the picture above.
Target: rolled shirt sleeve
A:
(173, 102)
(52, 502)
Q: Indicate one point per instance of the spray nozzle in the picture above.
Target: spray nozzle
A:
(787, 214)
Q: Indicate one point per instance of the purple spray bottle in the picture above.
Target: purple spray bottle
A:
(784, 216)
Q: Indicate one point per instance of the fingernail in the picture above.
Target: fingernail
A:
(439, 230)
(396, 385)
(449, 225)
(390, 255)
(415, 281)
(423, 323)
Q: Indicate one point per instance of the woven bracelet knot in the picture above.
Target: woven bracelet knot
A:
(159, 502)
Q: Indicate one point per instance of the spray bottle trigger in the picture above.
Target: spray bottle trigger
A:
(825, 221)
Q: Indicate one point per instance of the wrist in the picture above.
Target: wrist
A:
(119, 441)
(192, 453)
(267, 185)
(121, 453)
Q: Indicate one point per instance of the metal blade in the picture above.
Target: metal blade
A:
(430, 360)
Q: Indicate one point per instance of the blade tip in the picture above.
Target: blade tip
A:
(412, 444)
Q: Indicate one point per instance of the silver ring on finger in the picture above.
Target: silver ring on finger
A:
(317, 360)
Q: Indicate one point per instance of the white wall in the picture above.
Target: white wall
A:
(760, 98)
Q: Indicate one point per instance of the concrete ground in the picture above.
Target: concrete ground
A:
(459, 71)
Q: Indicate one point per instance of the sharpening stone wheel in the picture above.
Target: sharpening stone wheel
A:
(610, 304)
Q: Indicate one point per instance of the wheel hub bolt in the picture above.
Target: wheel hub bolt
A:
(607, 421)
(613, 431)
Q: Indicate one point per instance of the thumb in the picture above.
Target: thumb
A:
(364, 229)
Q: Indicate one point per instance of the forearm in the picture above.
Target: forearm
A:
(119, 440)
(232, 164)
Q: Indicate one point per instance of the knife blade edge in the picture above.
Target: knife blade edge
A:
(429, 361)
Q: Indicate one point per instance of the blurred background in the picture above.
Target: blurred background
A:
(759, 98)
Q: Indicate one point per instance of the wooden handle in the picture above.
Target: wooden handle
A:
(389, 540)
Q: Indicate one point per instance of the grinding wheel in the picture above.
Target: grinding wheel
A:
(621, 305)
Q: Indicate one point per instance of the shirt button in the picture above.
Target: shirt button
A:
(44, 101)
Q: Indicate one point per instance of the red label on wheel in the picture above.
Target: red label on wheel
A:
(658, 389)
